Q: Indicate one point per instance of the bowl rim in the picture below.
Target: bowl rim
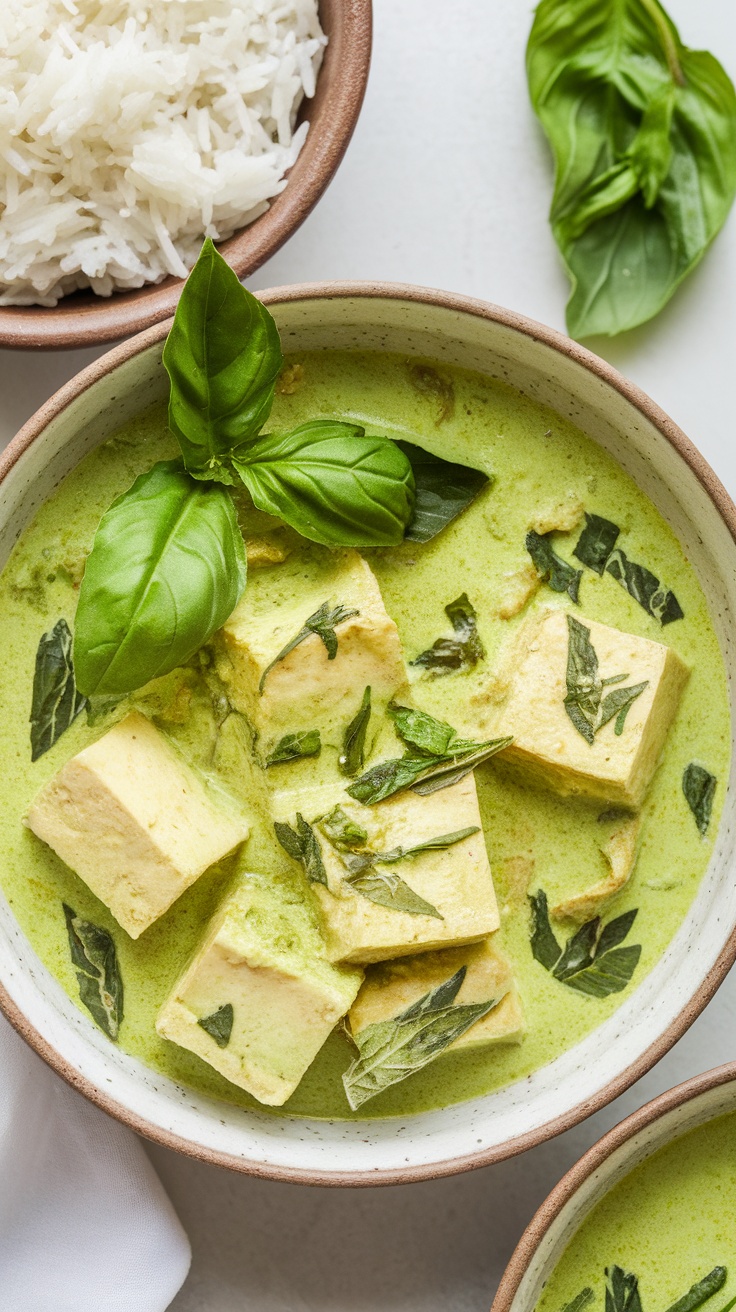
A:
(591, 1161)
(333, 118)
(557, 341)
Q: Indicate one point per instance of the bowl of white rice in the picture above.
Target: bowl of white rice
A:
(132, 129)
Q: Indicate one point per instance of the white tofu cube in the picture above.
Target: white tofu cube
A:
(259, 1000)
(617, 766)
(130, 817)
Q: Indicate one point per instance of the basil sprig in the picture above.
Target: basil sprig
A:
(644, 136)
(592, 960)
(323, 623)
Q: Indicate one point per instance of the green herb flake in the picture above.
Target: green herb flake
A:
(385, 888)
(323, 623)
(56, 702)
(391, 1050)
(302, 845)
(341, 831)
(644, 587)
(551, 568)
(586, 706)
(423, 773)
(464, 651)
(352, 756)
(580, 1301)
(699, 787)
(219, 1025)
(96, 965)
(295, 746)
(592, 960)
(622, 1291)
(596, 542)
(701, 1291)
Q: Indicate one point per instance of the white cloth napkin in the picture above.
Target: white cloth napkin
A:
(84, 1220)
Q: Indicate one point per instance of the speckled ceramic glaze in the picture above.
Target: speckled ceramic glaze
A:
(558, 373)
(652, 1127)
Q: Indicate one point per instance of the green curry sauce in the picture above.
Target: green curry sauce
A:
(669, 1222)
(536, 459)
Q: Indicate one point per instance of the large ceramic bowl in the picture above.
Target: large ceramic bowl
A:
(83, 319)
(564, 1210)
(558, 373)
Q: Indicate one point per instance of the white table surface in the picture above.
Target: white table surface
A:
(447, 184)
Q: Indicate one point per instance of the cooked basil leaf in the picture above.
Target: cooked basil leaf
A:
(426, 380)
(591, 961)
(578, 952)
(220, 1024)
(699, 787)
(293, 746)
(550, 567)
(448, 655)
(622, 1291)
(323, 622)
(423, 774)
(223, 357)
(391, 1050)
(302, 845)
(332, 483)
(580, 1301)
(343, 832)
(584, 702)
(388, 890)
(95, 962)
(644, 587)
(438, 844)
(644, 136)
(166, 569)
(609, 973)
(352, 756)
(422, 731)
(699, 1293)
(443, 491)
(545, 948)
(56, 702)
(596, 542)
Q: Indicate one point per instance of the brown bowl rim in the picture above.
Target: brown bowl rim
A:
(590, 1162)
(333, 115)
(714, 488)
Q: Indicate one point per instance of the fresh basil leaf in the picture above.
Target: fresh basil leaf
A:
(580, 1301)
(323, 623)
(428, 382)
(56, 702)
(644, 587)
(443, 491)
(423, 774)
(596, 542)
(341, 831)
(545, 948)
(584, 702)
(166, 569)
(95, 962)
(391, 1050)
(387, 889)
(448, 655)
(352, 756)
(622, 1291)
(578, 952)
(644, 136)
(699, 787)
(223, 356)
(420, 730)
(302, 845)
(550, 567)
(699, 1293)
(332, 483)
(220, 1024)
(294, 746)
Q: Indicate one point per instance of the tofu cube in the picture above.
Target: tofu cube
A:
(305, 688)
(391, 988)
(614, 767)
(130, 817)
(455, 882)
(261, 970)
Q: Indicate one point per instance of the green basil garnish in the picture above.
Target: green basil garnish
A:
(166, 569)
(449, 655)
(699, 787)
(701, 1291)
(294, 746)
(341, 831)
(223, 357)
(219, 1025)
(323, 623)
(592, 960)
(423, 774)
(391, 1050)
(443, 491)
(596, 542)
(644, 136)
(580, 1301)
(622, 1291)
(95, 961)
(585, 704)
(352, 756)
(550, 567)
(302, 845)
(596, 548)
(422, 731)
(56, 702)
(385, 888)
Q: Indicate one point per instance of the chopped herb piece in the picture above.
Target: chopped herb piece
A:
(700, 1292)
(387, 889)
(591, 961)
(420, 730)
(545, 948)
(323, 623)
(293, 746)
(550, 567)
(644, 587)
(302, 845)
(219, 1025)
(439, 844)
(580, 1301)
(341, 831)
(352, 757)
(585, 704)
(596, 542)
(448, 655)
(443, 491)
(56, 702)
(423, 774)
(699, 787)
(391, 1050)
(95, 961)
(622, 1291)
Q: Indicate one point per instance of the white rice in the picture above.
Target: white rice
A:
(130, 129)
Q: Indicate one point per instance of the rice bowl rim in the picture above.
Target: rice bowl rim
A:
(84, 319)
(656, 1042)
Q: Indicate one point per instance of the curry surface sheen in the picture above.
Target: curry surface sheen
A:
(536, 459)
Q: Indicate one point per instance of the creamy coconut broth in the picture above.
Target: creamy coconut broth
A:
(669, 1224)
(545, 473)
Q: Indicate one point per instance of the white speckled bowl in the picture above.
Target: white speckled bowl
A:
(610, 1159)
(558, 372)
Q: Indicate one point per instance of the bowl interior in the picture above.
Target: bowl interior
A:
(557, 373)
